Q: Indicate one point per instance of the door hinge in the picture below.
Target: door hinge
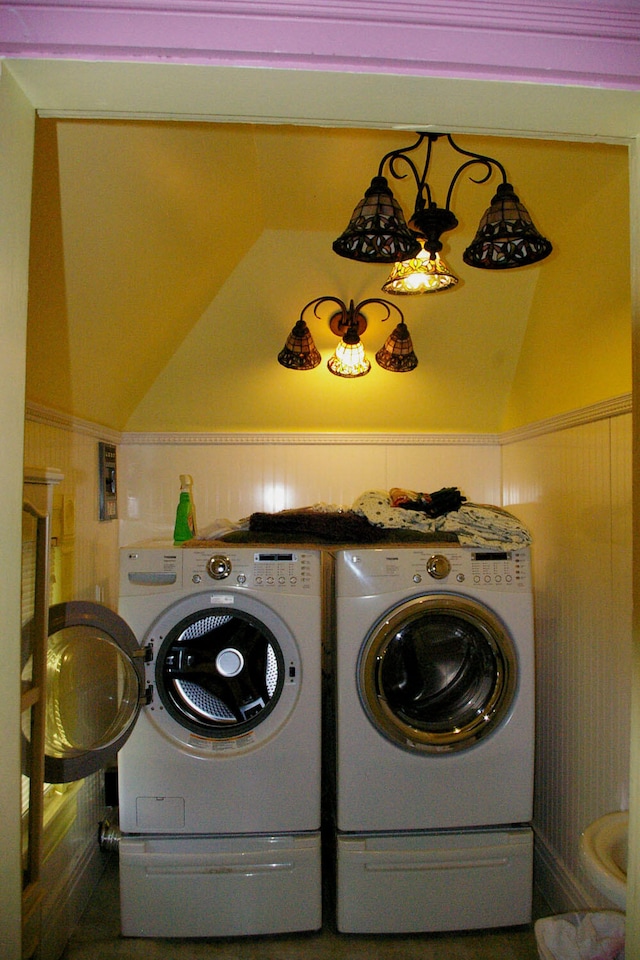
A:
(147, 696)
(144, 653)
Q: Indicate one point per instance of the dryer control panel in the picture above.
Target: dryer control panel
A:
(382, 570)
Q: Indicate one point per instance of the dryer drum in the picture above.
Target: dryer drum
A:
(219, 673)
(438, 673)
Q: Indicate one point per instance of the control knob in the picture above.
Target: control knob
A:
(438, 566)
(218, 567)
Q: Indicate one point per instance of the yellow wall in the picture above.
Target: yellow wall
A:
(577, 347)
(169, 262)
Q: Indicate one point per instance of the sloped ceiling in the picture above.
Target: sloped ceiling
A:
(170, 260)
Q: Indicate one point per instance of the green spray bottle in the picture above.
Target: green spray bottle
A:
(185, 526)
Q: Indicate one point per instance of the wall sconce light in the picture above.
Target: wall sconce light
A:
(378, 232)
(349, 359)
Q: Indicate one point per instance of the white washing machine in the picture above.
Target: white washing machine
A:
(434, 681)
(208, 683)
(219, 783)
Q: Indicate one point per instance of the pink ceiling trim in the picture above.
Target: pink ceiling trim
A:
(588, 42)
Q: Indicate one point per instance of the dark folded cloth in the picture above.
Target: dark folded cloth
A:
(381, 536)
(342, 527)
(309, 526)
(434, 504)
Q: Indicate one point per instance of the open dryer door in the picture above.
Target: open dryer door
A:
(94, 689)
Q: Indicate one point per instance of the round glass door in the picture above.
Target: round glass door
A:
(438, 674)
(94, 688)
(220, 673)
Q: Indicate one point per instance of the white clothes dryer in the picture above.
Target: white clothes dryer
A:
(434, 678)
(208, 684)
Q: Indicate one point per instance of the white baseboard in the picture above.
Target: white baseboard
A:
(69, 900)
(556, 884)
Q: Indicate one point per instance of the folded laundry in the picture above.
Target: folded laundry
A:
(378, 517)
(473, 524)
(318, 524)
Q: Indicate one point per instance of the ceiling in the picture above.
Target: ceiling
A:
(169, 261)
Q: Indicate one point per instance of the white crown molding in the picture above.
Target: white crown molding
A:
(37, 413)
(604, 410)
(313, 439)
(615, 407)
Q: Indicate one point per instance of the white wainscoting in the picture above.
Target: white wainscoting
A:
(572, 486)
(236, 476)
(569, 479)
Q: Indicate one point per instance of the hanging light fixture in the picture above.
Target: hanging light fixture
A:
(425, 273)
(378, 232)
(506, 236)
(349, 359)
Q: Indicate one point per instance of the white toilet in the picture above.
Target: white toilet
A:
(603, 851)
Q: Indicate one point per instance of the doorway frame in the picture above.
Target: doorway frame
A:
(239, 94)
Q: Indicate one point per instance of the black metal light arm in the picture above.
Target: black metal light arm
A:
(489, 163)
(401, 154)
(424, 196)
(349, 316)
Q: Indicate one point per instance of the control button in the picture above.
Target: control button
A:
(438, 566)
(498, 579)
(218, 567)
(460, 577)
(476, 579)
(196, 578)
(508, 578)
(487, 579)
(270, 580)
(281, 580)
(242, 578)
(258, 580)
(417, 578)
(293, 581)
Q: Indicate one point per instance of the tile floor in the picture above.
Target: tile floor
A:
(97, 937)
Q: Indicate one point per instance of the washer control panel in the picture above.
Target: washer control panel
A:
(382, 570)
(279, 571)
(169, 570)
